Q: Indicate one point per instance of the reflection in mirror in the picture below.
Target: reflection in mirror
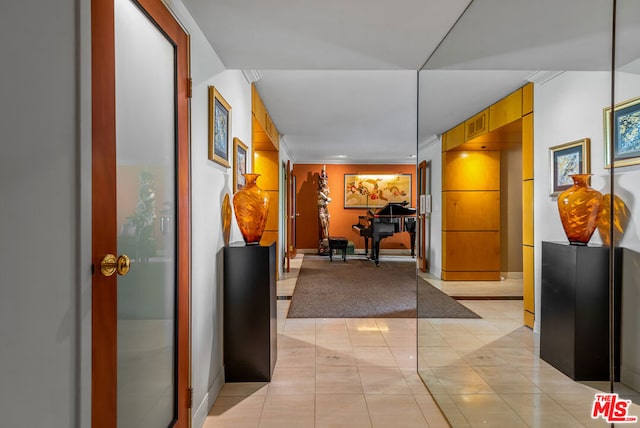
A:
(622, 214)
(525, 337)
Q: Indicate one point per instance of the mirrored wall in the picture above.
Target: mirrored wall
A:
(511, 317)
(621, 221)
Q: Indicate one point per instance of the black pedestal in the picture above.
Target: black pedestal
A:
(250, 317)
(574, 323)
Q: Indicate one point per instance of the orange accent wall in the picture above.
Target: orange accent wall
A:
(307, 223)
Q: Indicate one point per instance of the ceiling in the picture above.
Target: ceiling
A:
(340, 78)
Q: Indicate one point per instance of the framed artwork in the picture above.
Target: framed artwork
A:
(376, 190)
(626, 134)
(239, 164)
(219, 127)
(568, 159)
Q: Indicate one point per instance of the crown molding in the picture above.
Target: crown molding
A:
(252, 75)
(542, 77)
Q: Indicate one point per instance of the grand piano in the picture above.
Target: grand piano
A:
(395, 217)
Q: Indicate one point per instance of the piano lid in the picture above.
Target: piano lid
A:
(396, 209)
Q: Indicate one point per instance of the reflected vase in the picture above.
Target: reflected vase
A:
(578, 207)
(251, 207)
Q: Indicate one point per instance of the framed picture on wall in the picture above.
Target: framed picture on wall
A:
(219, 127)
(626, 133)
(568, 159)
(239, 164)
(376, 190)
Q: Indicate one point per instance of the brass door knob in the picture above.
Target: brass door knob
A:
(110, 265)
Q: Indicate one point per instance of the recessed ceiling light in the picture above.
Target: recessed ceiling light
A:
(341, 156)
(412, 156)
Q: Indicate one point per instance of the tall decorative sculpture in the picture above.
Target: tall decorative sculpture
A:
(323, 211)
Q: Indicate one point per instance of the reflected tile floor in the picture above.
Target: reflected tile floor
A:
(487, 372)
(362, 372)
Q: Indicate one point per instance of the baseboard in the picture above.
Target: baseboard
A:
(307, 250)
(200, 415)
(630, 378)
(512, 275)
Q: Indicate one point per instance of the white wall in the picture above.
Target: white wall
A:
(45, 292)
(210, 182)
(627, 178)
(569, 108)
(432, 151)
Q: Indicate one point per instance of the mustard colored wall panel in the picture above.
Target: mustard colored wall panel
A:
(269, 237)
(527, 147)
(265, 163)
(272, 217)
(471, 210)
(527, 98)
(528, 285)
(527, 212)
(506, 110)
(471, 276)
(471, 251)
(452, 138)
(471, 170)
(528, 319)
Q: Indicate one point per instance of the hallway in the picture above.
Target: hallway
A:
(362, 373)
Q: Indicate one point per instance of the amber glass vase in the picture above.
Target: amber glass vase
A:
(578, 207)
(251, 206)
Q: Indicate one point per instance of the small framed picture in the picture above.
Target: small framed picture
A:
(219, 127)
(240, 164)
(625, 121)
(568, 159)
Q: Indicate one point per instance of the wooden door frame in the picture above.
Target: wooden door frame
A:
(290, 214)
(104, 234)
(423, 262)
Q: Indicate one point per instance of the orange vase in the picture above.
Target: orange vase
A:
(251, 207)
(578, 207)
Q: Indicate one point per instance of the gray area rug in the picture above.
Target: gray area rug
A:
(437, 304)
(359, 289)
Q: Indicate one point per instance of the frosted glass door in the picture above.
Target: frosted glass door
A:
(146, 177)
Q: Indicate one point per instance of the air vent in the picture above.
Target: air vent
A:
(476, 125)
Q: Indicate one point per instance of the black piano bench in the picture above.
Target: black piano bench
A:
(338, 243)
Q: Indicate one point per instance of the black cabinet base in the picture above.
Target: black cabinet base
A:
(574, 312)
(250, 316)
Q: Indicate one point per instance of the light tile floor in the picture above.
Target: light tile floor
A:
(333, 373)
(362, 372)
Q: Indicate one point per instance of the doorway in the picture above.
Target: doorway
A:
(424, 215)
(140, 216)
